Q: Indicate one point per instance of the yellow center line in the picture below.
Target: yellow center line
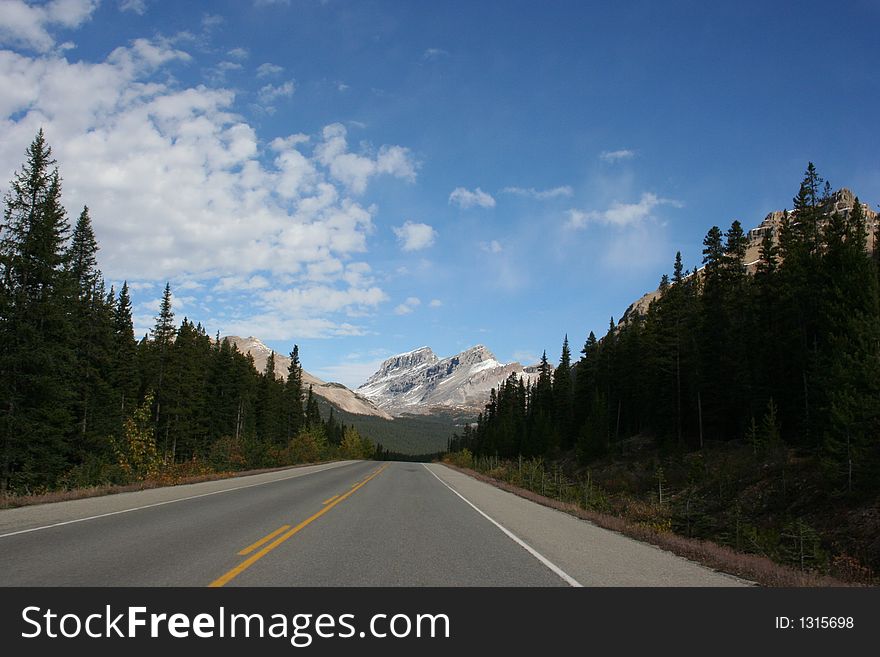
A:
(326, 502)
(265, 539)
(251, 560)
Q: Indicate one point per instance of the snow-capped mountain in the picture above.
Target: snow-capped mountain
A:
(335, 393)
(419, 382)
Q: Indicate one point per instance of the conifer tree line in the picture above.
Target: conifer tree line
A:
(788, 356)
(83, 402)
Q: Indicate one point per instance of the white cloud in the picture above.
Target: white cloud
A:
(354, 170)
(180, 188)
(320, 298)
(138, 7)
(266, 69)
(617, 156)
(238, 53)
(491, 247)
(341, 87)
(619, 214)
(415, 236)
(433, 54)
(270, 92)
(28, 25)
(270, 326)
(217, 74)
(541, 195)
(408, 306)
(435, 303)
(465, 198)
(241, 283)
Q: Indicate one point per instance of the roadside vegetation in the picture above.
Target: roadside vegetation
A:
(739, 408)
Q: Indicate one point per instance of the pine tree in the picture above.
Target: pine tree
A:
(713, 251)
(293, 396)
(677, 270)
(271, 415)
(735, 250)
(563, 397)
(124, 376)
(92, 326)
(35, 331)
(313, 413)
(164, 333)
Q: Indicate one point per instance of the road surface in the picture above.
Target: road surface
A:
(353, 523)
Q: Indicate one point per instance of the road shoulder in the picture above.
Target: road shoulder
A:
(590, 554)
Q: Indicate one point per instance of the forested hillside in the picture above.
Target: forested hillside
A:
(783, 364)
(82, 402)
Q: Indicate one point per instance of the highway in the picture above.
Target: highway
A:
(353, 523)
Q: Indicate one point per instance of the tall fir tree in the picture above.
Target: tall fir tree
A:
(293, 396)
(35, 330)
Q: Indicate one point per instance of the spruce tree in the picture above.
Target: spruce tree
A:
(293, 396)
(35, 331)
(124, 376)
(563, 397)
(677, 270)
(164, 333)
(92, 326)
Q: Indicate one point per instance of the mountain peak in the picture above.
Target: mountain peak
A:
(417, 381)
(477, 353)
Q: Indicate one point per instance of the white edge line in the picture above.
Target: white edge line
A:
(180, 499)
(571, 581)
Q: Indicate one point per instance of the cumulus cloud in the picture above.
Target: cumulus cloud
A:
(354, 170)
(491, 247)
(464, 198)
(435, 303)
(414, 236)
(180, 188)
(616, 156)
(270, 92)
(540, 195)
(266, 69)
(408, 306)
(619, 214)
(28, 25)
(238, 53)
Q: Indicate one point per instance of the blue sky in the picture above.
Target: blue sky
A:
(363, 178)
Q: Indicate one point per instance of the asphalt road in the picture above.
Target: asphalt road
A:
(356, 523)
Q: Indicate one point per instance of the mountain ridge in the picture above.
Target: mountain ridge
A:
(420, 382)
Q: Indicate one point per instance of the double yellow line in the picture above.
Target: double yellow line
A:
(256, 556)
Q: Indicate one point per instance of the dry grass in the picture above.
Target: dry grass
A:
(755, 568)
(14, 501)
